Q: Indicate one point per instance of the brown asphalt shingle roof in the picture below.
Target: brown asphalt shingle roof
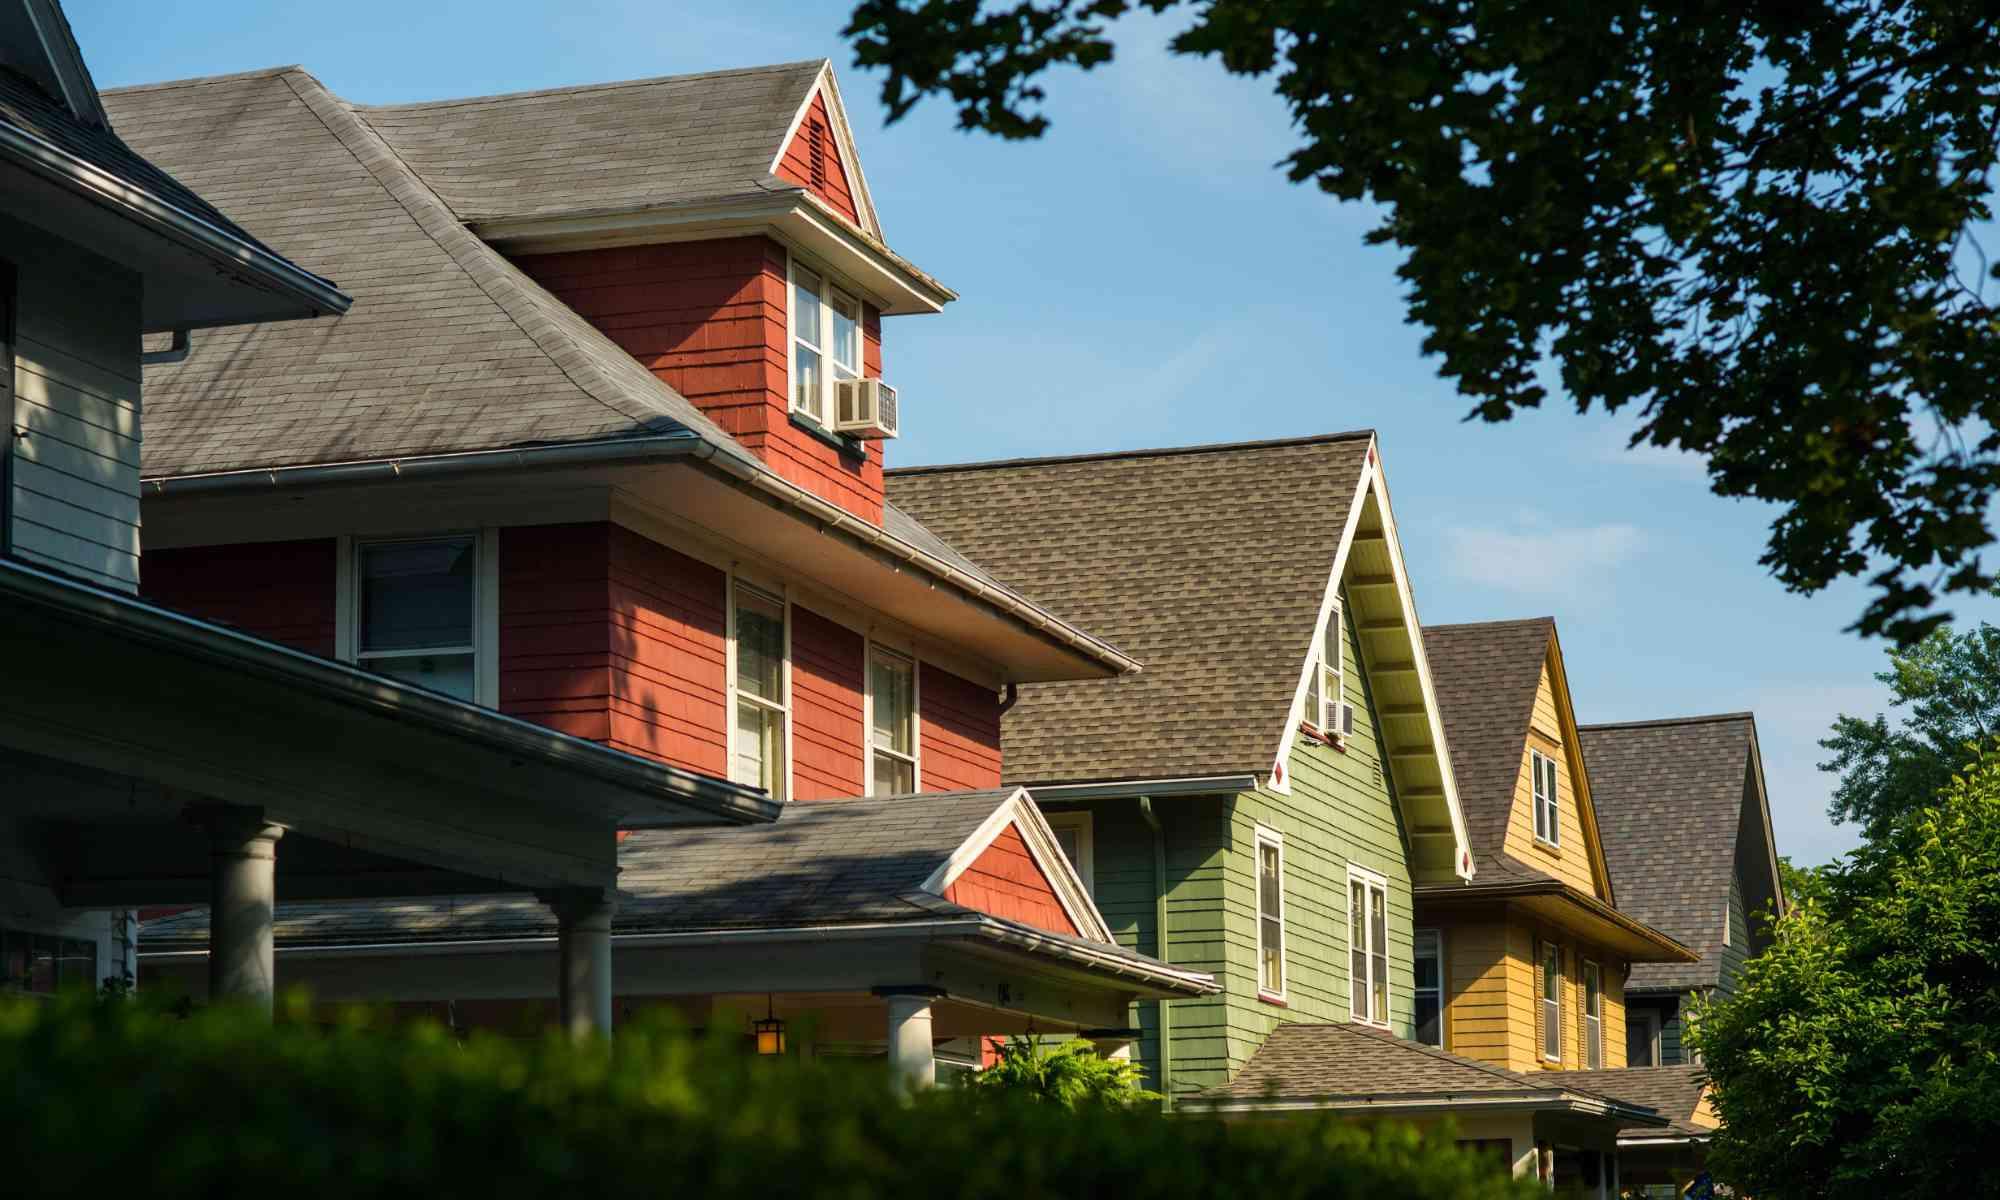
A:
(643, 143)
(1669, 797)
(1674, 1091)
(1486, 675)
(1207, 564)
(1342, 1061)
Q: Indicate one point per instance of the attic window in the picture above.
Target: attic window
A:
(816, 152)
(1548, 825)
(1323, 690)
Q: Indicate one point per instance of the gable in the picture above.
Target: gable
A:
(1005, 881)
(1575, 857)
(814, 157)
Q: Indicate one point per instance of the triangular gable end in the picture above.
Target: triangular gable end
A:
(1572, 741)
(1368, 567)
(818, 154)
(1011, 865)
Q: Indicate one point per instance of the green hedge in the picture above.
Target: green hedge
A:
(118, 1099)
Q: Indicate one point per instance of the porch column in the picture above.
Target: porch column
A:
(242, 865)
(1112, 1043)
(912, 1056)
(583, 952)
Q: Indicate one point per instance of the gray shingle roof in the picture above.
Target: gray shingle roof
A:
(1207, 564)
(645, 143)
(823, 863)
(1341, 1061)
(1669, 797)
(1486, 675)
(1674, 1091)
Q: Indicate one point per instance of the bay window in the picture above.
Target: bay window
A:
(892, 724)
(1368, 946)
(761, 704)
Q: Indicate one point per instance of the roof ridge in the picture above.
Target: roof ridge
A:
(201, 80)
(1704, 719)
(608, 85)
(1501, 623)
(1156, 452)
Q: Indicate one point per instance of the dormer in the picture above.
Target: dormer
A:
(718, 227)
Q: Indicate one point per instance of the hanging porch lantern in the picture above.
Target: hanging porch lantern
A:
(770, 1031)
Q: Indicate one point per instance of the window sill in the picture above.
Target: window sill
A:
(1273, 1001)
(853, 448)
(1548, 847)
(1317, 736)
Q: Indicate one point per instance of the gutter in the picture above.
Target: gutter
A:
(1125, 789)
(233, 253)
(351, 686)
(682, 444)
(1443, 1102)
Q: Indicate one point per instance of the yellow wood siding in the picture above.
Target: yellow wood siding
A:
(1493, 1006)
(1570, 859)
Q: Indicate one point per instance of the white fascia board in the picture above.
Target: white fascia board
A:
(843, 144)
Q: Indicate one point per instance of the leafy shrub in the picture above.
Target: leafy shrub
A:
(1069, 1073)
(116, 1098)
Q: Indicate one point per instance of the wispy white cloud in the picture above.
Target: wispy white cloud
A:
(1612, 446)
(1536, 558)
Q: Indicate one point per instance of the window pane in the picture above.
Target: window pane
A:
(447, 673)
(1428, 973)
(1357, 946)
(1430, 1020)
(896, 777)
(846, 332)
(1271, 954)
(806, 385)
(1330, 689)
(760, 747)
(806, 313)
(416, 595)
(760, 646)
(892, 685)
(1270, 885)
(1592, 1001)
(1312, 713)
(1330, 648)
(1379, 944)
(1068, 837)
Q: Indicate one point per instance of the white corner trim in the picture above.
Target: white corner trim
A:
(1019, 811)
(843, 144)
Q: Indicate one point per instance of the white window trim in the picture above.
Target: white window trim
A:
(869, 648)
(1325, 718)
(782, 595)
(1593, 1022)
(1548, 1006)
(1372, 883)
(1416, 988)
(822, 340)
(1553, 813)
(1270, 837)
(1086, 850)
(485, 603)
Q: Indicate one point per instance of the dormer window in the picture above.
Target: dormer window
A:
(1323, 688)
(1548, 824)
(826, 341)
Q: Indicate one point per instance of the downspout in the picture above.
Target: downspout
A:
(1160, 949)
(176, 351)
(1008, 701)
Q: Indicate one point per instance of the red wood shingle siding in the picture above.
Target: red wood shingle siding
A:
(709, 319)
(961, 732)
(1005, 881)
(796, 164)
(555, 646)
(669, 655)
(279, 591)
(827, 738)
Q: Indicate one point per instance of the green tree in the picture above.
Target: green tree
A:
(1949, 685)
(1860, 1054)
(1752, 222)
(1070, 1073)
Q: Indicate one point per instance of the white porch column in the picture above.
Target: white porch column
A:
(583, 951)
(1112, 1043)
(912, 1054)
(243, 860)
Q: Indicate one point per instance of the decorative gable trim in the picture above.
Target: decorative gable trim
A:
(1372, 486)
(1756, 768)
(1579, 776)
(1019, 812)
(843, 144)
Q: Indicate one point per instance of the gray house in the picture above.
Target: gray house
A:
(152, 758)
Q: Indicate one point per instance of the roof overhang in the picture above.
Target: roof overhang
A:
(678, 479)
(791, 214)
(1419, 1104)
(197, 275)
(1560, 904)
(1132, 789)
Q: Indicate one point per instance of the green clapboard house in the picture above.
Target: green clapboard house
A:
(1274, 780)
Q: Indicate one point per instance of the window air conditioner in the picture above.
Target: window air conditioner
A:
(1347, 720)
(865, 408)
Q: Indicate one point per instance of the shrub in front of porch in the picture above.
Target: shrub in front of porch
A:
(111, 1098)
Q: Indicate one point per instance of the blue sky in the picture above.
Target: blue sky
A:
(1143, 277)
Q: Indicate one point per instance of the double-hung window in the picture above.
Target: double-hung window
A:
(1323, 689)
(892, 724)
(416, 611)
(1270, 914)
(1429, 993)
(1368, 946)
(1593, 1017)
(757, 730)
(826, 342)
(1552, 984)
(1548, 826)
(1073, 834)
